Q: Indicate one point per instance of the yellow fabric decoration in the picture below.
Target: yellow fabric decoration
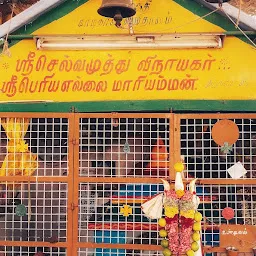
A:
(170, 212)
(19, 161)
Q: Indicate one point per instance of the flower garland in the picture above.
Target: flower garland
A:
(171, 211)
(182, 222)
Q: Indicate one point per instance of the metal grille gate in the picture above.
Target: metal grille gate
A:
(39, 143)
(95, 170)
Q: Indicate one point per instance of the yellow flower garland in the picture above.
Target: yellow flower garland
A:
(188, 214)
(170, 212)
(180, 193)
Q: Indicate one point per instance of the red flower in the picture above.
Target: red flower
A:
(186, 222)
(171, 220)
(185, 236)
(173, 233)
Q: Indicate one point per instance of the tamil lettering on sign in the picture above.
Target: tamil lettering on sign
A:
(239, 236)
(152, 74)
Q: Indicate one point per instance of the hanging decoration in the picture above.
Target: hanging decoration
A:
(6, 50)
(126, 210)
(21, 210)
(237, 170)
(19, 161)
(226, 148)
(126, 148)
(181, 224)
(228, 213)
(225, 133)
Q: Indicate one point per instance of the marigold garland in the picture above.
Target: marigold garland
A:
(180, 193)
(170, 212)
(179, 216)
(182, 222)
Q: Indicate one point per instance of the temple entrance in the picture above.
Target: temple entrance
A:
(74, 183)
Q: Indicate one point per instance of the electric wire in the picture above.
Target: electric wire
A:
(239, 28)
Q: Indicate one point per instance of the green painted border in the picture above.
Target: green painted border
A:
(135, 106)
(214, 18)
(50, 16)
(201, 10)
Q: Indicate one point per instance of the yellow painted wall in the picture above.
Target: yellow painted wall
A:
(227, 73)
(161, 16)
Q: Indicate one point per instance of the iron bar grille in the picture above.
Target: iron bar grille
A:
(122, 147)
(204, 158)
(111, 213)
(214, 198)
(46, 137)
(93, 172)
(116, 252)
(47, 219)
(31, 251)
(43, 143)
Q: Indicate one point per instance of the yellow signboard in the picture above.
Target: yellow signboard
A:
(30, 74)
(161, 16)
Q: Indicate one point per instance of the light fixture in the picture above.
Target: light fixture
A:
(120, 42)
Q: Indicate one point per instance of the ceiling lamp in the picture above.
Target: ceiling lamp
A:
(127, 42)
(117, 9)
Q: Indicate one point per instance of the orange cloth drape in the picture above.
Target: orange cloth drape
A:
(19, 161)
